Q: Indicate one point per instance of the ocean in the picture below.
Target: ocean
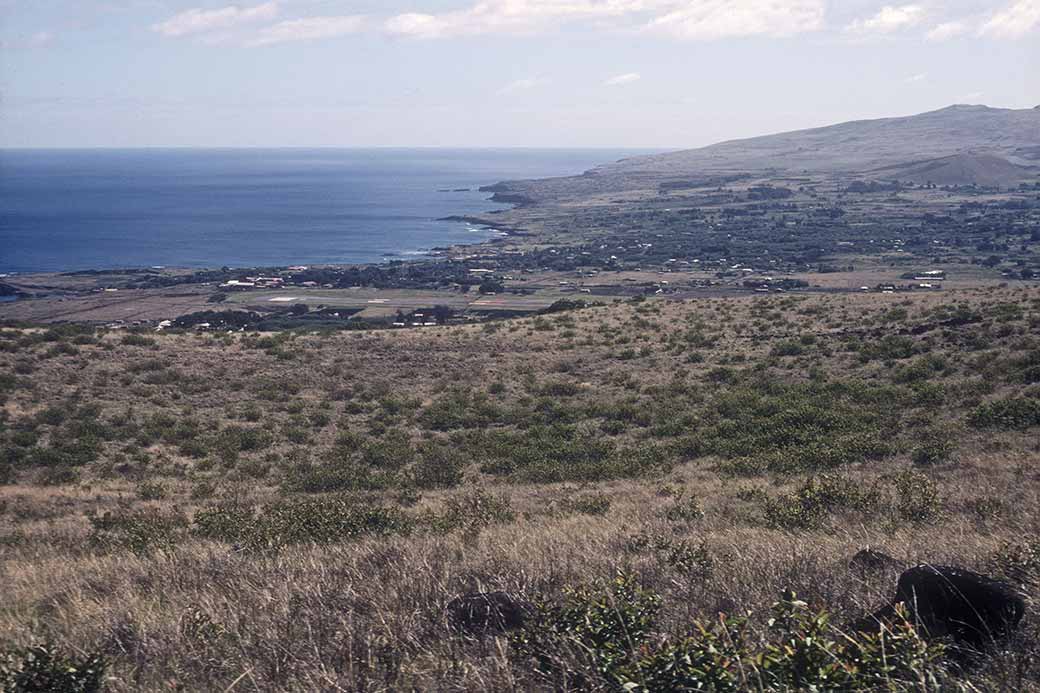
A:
(66, 210)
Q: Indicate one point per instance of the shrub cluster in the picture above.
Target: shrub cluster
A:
(44, 668)
(1013, 413)
(602, 638)
(320, 521)
(818, 497)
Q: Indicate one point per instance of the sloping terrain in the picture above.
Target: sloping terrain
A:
(976, 132)
(861, 144)
(960, 169)
(301, 507)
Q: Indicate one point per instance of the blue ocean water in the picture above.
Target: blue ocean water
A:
(64, 210)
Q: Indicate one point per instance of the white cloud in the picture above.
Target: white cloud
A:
(715, 19)
(888, 19)
(521, 85)
(508, 16)
(1014, 21)
(912, 79)
(40, 38)
(196, 21)
(947, 30)
(627, 78)
(309, 29)
(695, 19)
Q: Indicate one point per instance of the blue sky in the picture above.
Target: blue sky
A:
(557, 73)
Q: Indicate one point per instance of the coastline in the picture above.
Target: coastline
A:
(273, 208)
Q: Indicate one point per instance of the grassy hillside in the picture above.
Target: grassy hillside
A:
(863, 144)
(293, 511)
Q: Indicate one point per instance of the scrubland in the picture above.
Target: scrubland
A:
(679, 484)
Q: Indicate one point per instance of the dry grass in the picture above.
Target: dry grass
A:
(367, 614)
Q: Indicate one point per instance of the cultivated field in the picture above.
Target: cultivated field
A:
(292, 511)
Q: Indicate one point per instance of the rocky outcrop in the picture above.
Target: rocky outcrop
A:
(972, 610)
(488, 612)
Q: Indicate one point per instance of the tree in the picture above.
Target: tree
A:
(490, 286)
(442, 314)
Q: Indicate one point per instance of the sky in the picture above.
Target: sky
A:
(494, 73)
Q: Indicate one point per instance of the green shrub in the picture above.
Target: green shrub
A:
(140, 532)
(392, 452)
(318, 521)
(472, 512)
(202, 490)
(151, 491)
(57, 475)
(137, 340)
(787, 348)
(918, 497)
(818, 497)
(1018, 561)
(459, 409)
(888, 348)
(46, 669)
(601, 640)
(1017, 413)
(935, 447)
(689, 559)
(438, 466)
(593, 634)
(560, 388)
(592, 504)
(65, 451)
(919, 370)
(798, 427)
(339, 472)
(806, 654)
(687, 510)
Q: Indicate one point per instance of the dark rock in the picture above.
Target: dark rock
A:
(513, 198)
(871, 560)
(942, 601)
(482, 612)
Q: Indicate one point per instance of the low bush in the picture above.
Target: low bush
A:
(818, 497)
(318, 521)
(1013, 413)
(140, 532)
(592, 504)
(918, 497)
(1019, 561)
(437, 466)
(46, 669)
(602, 639)
(935, 447)
(151, 491)
(137, 340)
(472, 512)
(684, 510)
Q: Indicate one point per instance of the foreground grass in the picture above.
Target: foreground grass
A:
(288, 512)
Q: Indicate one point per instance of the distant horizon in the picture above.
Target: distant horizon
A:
(490, 147)
(372, 147)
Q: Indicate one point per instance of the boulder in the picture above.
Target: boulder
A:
(972, 610)
(872, 560)
(482, 612)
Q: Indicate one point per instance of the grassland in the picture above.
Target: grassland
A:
(292, 511)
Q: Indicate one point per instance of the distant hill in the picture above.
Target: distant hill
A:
(957, 145)
(984, 133)
(960, 169)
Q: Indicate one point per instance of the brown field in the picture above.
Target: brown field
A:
(164, 498)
